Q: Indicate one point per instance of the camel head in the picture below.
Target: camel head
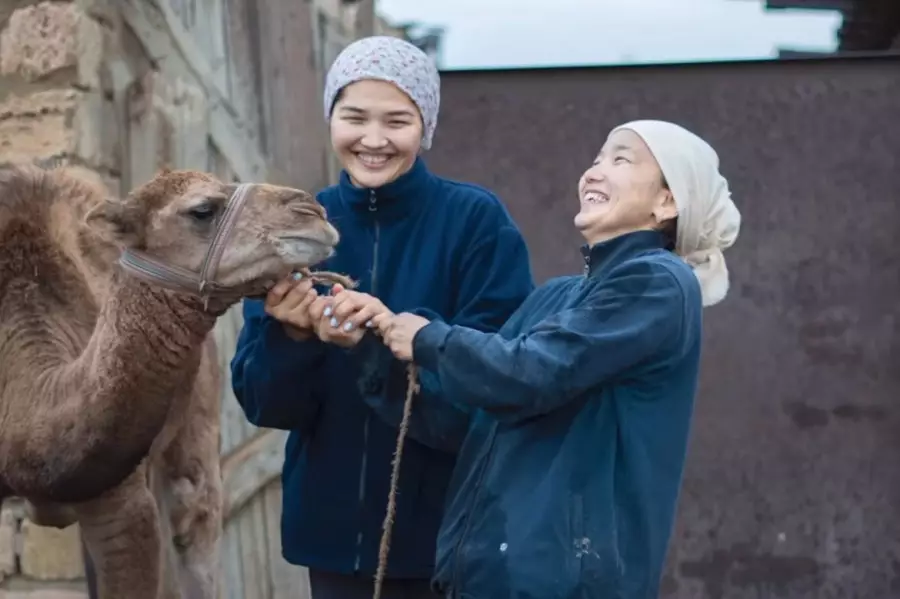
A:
(176, 217)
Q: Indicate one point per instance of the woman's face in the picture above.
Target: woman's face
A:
(376, 132)
(622, 191)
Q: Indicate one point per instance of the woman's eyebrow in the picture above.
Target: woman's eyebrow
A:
(403, 112)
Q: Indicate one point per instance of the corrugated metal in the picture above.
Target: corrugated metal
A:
(792, 485)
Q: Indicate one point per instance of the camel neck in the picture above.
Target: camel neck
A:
(113, 400)
(152, 316)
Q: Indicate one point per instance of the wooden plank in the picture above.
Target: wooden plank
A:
(201, 26)
(288, 581)
(231, 576)
(189, 116)
(147, 141)
(234, 138)
(253, 562)
(242, 30)
(252, 466)
(293, 116)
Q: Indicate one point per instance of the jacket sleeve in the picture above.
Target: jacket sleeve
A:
(494, 279)
(636, 313)
(273, 376)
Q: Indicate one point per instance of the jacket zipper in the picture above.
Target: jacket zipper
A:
(373, 208)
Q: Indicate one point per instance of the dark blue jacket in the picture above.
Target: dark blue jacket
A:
(443, 249)
(567, 480)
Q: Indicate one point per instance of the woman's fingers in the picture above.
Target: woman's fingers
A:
(382, 322)
(364, 317)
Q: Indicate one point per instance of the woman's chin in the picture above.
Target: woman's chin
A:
(584, 220)
(369, 177)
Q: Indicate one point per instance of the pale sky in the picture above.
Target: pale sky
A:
(518, 33)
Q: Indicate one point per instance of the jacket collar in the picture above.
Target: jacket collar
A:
(602, 257)
(402, 196)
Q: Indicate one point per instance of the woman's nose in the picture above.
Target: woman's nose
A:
(594, 174)
(374, 138)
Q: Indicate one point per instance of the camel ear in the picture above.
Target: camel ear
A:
(117, 221)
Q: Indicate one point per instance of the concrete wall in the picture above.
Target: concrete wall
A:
(792, 489)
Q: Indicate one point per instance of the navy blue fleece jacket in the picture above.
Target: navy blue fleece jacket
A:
(446, 250)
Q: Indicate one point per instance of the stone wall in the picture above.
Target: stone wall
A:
(55, 100)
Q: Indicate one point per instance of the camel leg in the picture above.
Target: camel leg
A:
(189, 487)
(121, 531)
(192, 492)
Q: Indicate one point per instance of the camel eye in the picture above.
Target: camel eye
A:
(203, 212)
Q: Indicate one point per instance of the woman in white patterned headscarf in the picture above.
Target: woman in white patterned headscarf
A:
(567, 482)
(414, 241)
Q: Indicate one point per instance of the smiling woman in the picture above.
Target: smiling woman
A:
(415, 242)
(568, 478)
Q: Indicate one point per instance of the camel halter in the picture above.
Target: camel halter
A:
(176, 278)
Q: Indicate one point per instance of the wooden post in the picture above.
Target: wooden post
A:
(364, 25)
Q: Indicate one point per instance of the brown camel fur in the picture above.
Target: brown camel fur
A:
(109, 386)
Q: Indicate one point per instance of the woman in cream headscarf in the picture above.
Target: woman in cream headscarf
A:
(566, 484)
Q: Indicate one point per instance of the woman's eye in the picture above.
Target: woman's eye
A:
(620, 159)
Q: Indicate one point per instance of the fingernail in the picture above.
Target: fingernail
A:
(369, 324)
(297, 276)
(348, 326)
(328, 313)
(334, 322)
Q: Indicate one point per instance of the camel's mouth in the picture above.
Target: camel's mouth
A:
(300, 250)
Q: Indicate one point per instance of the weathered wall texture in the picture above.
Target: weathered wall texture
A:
(792, 489)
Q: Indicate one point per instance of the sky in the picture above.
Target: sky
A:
(522, 33)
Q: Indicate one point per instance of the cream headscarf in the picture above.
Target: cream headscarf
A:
(708, 221)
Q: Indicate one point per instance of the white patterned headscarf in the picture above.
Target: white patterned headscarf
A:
(708, 221)
(393, 60)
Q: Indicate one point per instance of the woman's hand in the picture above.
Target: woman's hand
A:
(353, 310)
(289, 302)
(342, 319)
(399, 331)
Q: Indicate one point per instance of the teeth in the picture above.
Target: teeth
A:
(372, 159)
(595, 197)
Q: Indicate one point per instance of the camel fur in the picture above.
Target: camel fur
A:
(110, 386)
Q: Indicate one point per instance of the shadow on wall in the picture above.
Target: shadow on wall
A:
(792, 485)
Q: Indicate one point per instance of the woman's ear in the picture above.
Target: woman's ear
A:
(666, 208)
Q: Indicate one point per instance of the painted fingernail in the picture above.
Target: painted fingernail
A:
(369, 324)
(297, 276)
(348, 326)
(334, 322)
(328, 313)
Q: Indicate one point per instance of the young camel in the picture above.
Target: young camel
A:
(109, 384)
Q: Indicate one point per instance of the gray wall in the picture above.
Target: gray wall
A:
(792, 488)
